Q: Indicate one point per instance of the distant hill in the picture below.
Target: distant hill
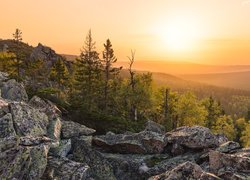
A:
(238, 80)
(170, 67)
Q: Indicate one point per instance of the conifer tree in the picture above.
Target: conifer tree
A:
(109, 71)
(17, 37)
(88, 74)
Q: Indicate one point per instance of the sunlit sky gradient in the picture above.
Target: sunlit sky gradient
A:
(201, 31)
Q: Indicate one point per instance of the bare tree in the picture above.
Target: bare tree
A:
(132, 84)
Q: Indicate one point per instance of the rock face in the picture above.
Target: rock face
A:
(36, 143)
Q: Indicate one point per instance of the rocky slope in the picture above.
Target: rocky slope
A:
(36, 143)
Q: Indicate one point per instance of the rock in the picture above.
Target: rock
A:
(224, 164)
(54, 129)
(27, 120)
(63, 168)
(3, 76)
(23, 162)
(8, 143)
(187, 170)
(195, 137)
(155, 127)
(63, 149)
(84, 153)
(4, 107)
(33, 141)
(6, 126)
(46, 106)
(228, 147)
(14, 91)
(72, 129)
(139, 143)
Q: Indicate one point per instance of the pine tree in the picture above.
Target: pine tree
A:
(88, 74)
(19, 56)
(59, 73)
(109, 71)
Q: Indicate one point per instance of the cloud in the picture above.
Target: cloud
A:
(246, 2)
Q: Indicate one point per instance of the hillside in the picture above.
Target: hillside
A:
(233, 100)
(239, 80)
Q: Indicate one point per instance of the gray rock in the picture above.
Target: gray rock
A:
(229, 147)
(72, 129)
(145, 142)
(27, 120)
(195, 137)
(84, 153)
(4, 107)
(155, 127)
(187, 170)
(63, 149)
(63, 168)
(3, 76)
(6, 126)
(14, 91)
(225, 165)
(54, 129)
(46, 106)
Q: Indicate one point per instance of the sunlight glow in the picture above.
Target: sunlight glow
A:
(179, 34)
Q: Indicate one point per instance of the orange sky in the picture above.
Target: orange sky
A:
(201, 31)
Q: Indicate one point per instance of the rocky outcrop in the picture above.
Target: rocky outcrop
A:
(186, 170)
(72, 129)
(36, 143)
(145, 142)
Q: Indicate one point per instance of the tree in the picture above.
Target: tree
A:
(214, 111)
(190, 110)
(88, 74)
(19, 57)
(59, 73)
(132, 84)
(6, 62)
(245, 138)
(224, 125)
(109, 71)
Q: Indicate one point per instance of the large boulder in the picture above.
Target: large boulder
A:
(187, 170)
(229, 147)
(83, 152)
(7, 126)
(72, 129)
(27, 120)
(63, 149)
(227, 165)
(14, 91)
(63, 168)
(145, 142)
(195, 137)
(155, 127)
(46, 106)
(4, 107)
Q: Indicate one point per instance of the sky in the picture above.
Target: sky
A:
(200, 31)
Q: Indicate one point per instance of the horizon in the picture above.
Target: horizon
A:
(211, 33)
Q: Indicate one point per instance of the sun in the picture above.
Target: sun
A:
(178, 34)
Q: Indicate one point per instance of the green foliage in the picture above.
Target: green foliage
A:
(224, 125)
(245, 138)
(7, 61)
(59, 73)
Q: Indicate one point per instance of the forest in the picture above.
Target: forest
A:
(96, 92)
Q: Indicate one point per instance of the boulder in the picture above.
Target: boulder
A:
(14, 91)
(63, 168)
(3, 76)
(228, 147)
(63, 149)
(225, 165)
(145, 142)
(195, 137)
(4, 107)
(46, 106)
(72, 129)
(23, 162)
(54, 129)
(27, 120)
(187, 170)
(6, 126)
(155, 127)
(84, 153)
